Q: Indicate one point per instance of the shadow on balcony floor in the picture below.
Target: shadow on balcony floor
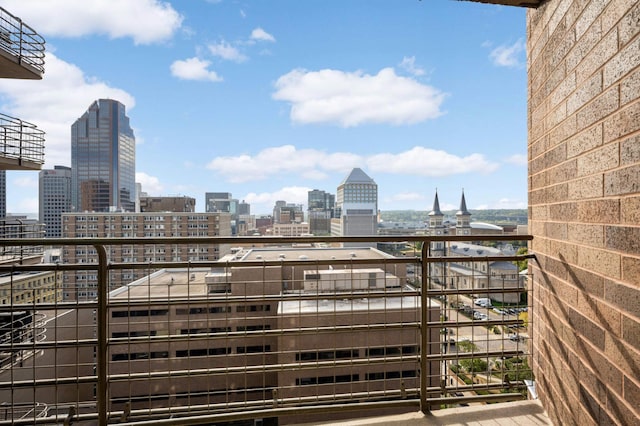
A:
(520, 413)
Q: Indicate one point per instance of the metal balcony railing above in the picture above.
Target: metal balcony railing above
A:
(22, 50)
(22, 144)
(281, 329)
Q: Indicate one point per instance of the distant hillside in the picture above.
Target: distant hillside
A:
(498, 216)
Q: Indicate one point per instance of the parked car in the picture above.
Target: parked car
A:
(483, 301)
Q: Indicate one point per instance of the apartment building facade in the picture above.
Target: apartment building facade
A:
(167, 204)
(82, 286)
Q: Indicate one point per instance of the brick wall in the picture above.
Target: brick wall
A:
(584, 208)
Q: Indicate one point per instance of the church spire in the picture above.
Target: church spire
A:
(463, 207)
(436, 207)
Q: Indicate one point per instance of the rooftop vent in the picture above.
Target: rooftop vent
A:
(352, 254)
(303, 257)
(259, 257)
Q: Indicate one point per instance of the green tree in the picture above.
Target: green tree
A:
(467, 346)
(522, 264)
(474, 365)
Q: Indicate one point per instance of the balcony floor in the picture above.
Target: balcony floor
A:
(520, 413)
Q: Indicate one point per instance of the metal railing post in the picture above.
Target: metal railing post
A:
(103, 291)
(425, 373)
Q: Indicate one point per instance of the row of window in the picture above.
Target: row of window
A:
(354, 353)
(136, 356)
(346, 378)
(183, 331)
(189, 311)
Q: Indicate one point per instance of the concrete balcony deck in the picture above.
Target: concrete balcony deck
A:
(520, 413)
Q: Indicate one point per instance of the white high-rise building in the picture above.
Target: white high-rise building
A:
(356, 206)
(54, 199)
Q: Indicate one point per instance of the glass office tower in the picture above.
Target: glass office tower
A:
(103, 159)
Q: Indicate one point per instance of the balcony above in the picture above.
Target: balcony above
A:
(21, 49)
(21, 145)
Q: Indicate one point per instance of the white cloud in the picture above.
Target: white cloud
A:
(407, 196)
(194, 69)
(259, 34)
(517, 159)
(409, 64)
(264, 201)
(508, 56)
(227, 52)
(352, 98)
(55, 102)
(25, 182)
(422, 161)
(503, 203)
(316, 164)
(145, 21)
(24, 205)
(310, 163)
(150, 184)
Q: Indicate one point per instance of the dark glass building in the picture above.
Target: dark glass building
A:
(103, 159)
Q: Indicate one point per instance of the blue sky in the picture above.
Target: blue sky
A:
(269, 99)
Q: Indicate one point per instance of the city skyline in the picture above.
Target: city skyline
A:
(235, 97)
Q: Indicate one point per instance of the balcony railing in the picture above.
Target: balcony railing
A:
(280, 329)
(22, 144)
(23, 45)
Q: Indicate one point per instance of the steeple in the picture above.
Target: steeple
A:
(435, 211)
(463, 218)
(435, 215)
(463, 207)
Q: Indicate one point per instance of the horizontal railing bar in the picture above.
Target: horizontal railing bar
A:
(244, 263)
(262, 368)
(496, 397)
(119, 241)
(58, 344)
(49, 382)
(472, 355)
(49, 307)
(263, 333)
(270, 402)
(471, 291)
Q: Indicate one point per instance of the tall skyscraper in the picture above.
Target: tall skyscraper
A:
(55, 199)
(103, 160)
(320, 205)
(356, 206)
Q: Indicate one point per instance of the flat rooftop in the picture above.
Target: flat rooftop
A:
(164, 284)
(311, 253)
